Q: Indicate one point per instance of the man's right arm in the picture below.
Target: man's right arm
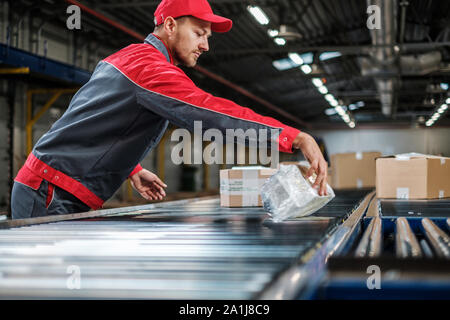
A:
(183, 102)
(172, 95)
(167, 91)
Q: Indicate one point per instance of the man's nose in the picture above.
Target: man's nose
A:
(204, 45)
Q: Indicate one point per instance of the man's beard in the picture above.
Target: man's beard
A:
(182, 60)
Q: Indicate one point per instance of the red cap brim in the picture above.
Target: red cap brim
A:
(218, 23)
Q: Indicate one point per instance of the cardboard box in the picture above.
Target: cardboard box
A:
(353, 170)
(241, 186)
(413, 176)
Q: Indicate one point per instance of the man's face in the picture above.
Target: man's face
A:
(190, 40)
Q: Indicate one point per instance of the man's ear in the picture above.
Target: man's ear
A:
(170, 25)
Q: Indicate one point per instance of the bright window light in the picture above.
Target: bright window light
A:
(323, 90)
(447, 101)
(258, 14)
(333, 103)
(444, 107)
(272, 33)
(308, 57)
(280, 41)
(351, 124)
(360, 104)
(352, 107)
(346, 118)
(435, 116)
(329, 55)
(444, 86)
(329, 97)
(306, 69)
(317, 82)
(296, 58)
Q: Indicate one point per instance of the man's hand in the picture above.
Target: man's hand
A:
(148, 185)
(312, 153)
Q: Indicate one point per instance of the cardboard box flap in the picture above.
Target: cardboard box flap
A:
(413, 155)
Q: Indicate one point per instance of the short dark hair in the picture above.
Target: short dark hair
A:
(178, 18)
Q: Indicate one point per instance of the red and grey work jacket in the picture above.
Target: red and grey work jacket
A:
(120, 114)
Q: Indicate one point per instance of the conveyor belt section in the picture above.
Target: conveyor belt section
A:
(194, 250)
(401, 253)
(415, 208)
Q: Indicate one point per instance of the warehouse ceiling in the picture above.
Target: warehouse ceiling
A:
(396, 75)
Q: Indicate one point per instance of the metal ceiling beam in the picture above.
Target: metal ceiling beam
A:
(359, 49)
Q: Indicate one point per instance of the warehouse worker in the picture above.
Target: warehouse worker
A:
(122, 112)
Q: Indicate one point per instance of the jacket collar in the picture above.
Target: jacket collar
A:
(156, 41)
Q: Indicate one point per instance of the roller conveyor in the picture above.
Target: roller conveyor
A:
(413, 262)
(405, 241)
(438, 238)
(180, 250)
(371, 243)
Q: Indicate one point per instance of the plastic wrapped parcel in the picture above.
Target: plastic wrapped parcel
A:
(287, 194)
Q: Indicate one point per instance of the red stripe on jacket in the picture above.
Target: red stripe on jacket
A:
(34, 171)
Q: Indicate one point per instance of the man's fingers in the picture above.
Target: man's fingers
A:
(159, 195)
(319, 174)
(151, 195)
(321, 179)
(145, 196)
(159, 181)
(312, 169)
(323, 188)
(323, 176)
(159, 189)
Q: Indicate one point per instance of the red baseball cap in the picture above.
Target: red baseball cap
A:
(199, 9)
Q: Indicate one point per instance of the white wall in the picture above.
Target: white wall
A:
(387, 141)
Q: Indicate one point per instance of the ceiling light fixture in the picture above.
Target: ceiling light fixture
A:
(323, 90)
(317, 82)
(280, 41)
(258, 14)
(306, 69)
(296, 58)
(329, 97)
(272, 33)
